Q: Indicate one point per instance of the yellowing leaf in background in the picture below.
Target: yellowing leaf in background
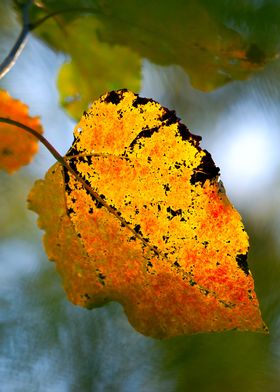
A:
(16, 146)
(165, 242)
(94, 67)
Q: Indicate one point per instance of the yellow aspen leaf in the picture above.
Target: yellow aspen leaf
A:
(16, 146)
(165, 242)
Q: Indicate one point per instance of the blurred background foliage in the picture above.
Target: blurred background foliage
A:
(216, 63)
(209, 39)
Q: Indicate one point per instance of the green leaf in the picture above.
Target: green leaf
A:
(215, 43)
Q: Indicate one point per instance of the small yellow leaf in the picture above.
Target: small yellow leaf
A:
(16, 146)
(167, 244)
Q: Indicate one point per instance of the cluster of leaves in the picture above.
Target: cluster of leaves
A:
(134, 212)
(214, 43)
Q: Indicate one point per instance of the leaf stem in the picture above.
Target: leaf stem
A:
(36, 134)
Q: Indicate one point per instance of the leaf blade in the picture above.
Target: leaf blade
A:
(150, 169)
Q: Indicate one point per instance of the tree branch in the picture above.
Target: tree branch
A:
(16, 50)
(59, 12)
(11, 58)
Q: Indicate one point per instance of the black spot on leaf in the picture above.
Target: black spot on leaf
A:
(183, 132)
(113, 97)
(137, 229)
(140, 101)
(205, 244)
(241, 260)
(145, 133)
(207, 170)
(6, 152)
(83, 159)
(166, 188)
(98, 203)
(70, 211)
(73, 151)
(173, 213)
(169, 117)
(102, 278)
(120, 114)
(66, 181)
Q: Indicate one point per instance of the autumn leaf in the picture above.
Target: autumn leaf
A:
(17, 147)
(162, 239)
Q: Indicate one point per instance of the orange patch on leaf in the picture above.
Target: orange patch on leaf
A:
(17, 147)
(173, 251)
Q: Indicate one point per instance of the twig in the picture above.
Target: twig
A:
(62, 11)
(11, 58)
(16, 50)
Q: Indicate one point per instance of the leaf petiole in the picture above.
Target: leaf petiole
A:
(37, 135)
